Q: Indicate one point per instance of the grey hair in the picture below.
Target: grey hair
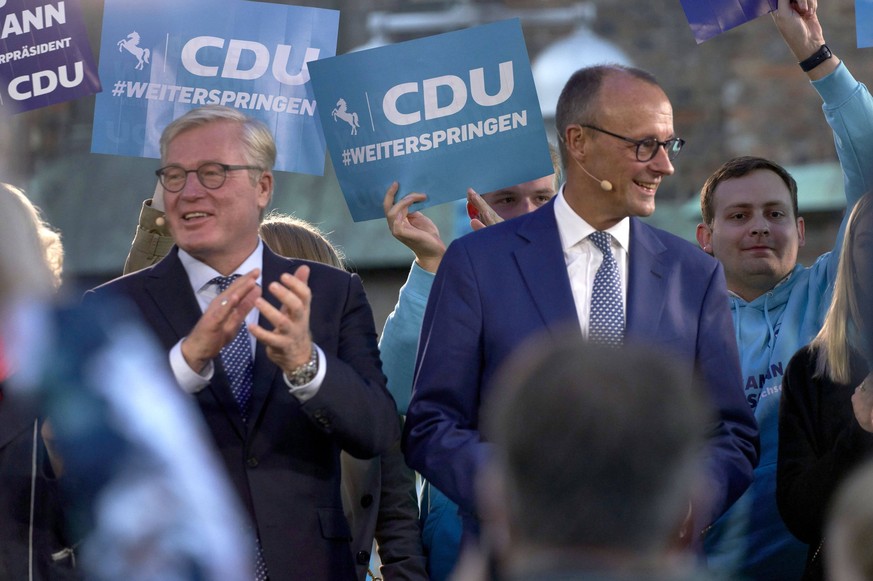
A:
(258, 144)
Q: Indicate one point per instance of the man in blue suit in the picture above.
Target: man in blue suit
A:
(501, 285)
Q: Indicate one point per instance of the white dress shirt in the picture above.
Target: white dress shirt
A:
(583, 258)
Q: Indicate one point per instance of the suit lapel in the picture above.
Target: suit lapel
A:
(541, 263)
(168, 286)
(647, 276)
(170, 289)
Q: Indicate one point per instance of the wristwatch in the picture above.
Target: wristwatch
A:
(306, 372)
(817, 58)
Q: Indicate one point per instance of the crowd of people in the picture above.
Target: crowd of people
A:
(565, 393)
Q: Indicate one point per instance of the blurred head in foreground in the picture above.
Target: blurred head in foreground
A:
(596, 456)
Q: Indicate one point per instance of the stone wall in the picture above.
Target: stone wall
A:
(740, 93)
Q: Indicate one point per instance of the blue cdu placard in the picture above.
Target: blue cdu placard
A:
(161, 58)
(437, 114)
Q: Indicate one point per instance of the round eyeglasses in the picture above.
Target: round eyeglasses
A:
(647, 148)
(211, 174)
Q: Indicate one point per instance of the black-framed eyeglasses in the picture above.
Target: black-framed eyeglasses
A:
(211, 174)
(647, 148)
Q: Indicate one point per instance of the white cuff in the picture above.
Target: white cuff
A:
(305, 392)
(189, 380)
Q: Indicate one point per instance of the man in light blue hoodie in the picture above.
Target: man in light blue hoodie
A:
(751, 224)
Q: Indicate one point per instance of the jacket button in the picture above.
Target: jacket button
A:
(367, 500)
(363, 557)
(322, 418)
(252, 462)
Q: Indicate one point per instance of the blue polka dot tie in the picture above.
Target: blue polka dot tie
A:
(236, 357)
(606, 321)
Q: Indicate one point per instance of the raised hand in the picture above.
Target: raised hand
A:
(487, 216)
(289, 343)
(414, 229)
(221, 321)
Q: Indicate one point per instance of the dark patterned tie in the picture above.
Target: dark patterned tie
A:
(236, 357)
(606, 321)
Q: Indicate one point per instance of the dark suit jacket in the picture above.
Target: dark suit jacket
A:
(499, 286)
(380, 502)
(285, 462)
(23, 482)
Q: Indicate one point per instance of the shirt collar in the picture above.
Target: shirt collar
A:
(573, 228)
(200, 273)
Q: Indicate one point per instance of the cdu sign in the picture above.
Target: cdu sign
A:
(260, 60)
(45, 57)
(456, 87)
(470, 118)
(163, 57)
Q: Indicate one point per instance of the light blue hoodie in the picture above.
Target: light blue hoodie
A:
(750, 541)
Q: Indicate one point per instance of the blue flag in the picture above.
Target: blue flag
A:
(438, 114)
(709, 18)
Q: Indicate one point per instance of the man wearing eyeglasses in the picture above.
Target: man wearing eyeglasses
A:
(286, 376)
(501, 285)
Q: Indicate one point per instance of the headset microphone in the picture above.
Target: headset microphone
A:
(605, 185)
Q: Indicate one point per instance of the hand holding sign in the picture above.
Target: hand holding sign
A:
(414, 229)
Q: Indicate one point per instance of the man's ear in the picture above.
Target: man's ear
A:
(704, 237)
(575, 141)
(801, 232)
(265, 189)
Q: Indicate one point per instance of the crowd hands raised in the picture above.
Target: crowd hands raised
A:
(649, 457)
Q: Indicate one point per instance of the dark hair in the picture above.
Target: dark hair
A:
(597, 447)
(737, 168)
(579, 96)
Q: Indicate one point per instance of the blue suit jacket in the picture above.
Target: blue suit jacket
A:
(497, 287)
(284, 463)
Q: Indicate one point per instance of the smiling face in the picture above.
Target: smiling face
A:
(754, 232)
(521, 199)
(218, 227)
(633, 108)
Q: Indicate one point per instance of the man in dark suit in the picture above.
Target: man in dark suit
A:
(499, 286)
(314, 385)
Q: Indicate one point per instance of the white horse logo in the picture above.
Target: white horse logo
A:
(347, 116)
(131, 43)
